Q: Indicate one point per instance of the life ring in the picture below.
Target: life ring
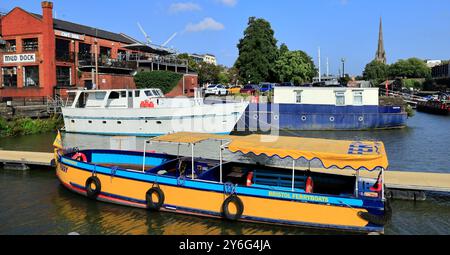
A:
(239, 208)
(249, 179)
(90, 192)
(155, 206)
(309, 185)
(79, 156)
(147, 104)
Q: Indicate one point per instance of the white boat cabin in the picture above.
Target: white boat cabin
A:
(126, 98)
(339, 96)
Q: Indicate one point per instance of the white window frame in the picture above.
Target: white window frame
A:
(357, 93)
(298, 93)
(339, 94)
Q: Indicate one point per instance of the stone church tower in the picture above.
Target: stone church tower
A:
(381, 54)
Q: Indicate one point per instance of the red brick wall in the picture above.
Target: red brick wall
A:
(115, 81)
(190, 82)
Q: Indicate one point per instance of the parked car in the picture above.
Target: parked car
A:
(216, 89)
(266, 87)
(250, 89)
(286, 84)
(234, 89)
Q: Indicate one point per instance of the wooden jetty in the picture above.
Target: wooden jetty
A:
(21, 160)
(403, 184)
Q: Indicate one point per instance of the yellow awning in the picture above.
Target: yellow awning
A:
(332, 153)
(187, 137)
(338, 153)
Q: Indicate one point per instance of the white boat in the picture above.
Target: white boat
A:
(146, 112)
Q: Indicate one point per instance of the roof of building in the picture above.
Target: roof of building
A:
(91, 31)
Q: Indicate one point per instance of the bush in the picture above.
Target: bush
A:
(28, 126)
(164, 80)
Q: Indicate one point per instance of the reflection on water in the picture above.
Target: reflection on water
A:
(33, 202)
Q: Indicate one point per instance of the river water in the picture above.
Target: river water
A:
(33, 202)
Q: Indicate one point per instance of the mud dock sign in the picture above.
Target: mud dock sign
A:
(19, 58)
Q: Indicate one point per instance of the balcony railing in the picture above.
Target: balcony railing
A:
(129, 61)
(85, 60)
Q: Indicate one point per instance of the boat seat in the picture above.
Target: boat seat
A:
(277, 179)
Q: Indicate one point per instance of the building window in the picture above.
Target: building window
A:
(63, 76)
(10, 46)
(340, 98)
(105, 51)
(122, 55)
(31, 76)
(63, 51)
(84, 51)
(298, 96)
(30, 44)
(9, 77)
(357, 98)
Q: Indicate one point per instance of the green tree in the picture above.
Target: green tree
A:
(193, 66)
(208, 73)
(233, 75)
(257, 52)
(223, 78)
(376, 71)
(410, 68)
(295, 66)
(283, 49)
(163, 80)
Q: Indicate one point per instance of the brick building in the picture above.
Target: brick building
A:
(41, 56)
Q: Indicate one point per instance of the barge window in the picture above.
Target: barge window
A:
(31, 76)
(137, 93)
(298, 96)
(340, 98)
(357, 98)
(148, 93)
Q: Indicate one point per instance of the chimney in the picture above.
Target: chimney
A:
(48, 48)
(47, 11)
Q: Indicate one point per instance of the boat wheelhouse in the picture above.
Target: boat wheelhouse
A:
(146, 112)
(240, 191)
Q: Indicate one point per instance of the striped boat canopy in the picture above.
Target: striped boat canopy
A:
(369, 155)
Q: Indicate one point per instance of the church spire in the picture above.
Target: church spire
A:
(381, 54)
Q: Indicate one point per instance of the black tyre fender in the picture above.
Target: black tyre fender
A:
(93, 193)
(377, 219)
(155, 206)
(239, 206)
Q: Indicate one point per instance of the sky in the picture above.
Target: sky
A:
(341, 28)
